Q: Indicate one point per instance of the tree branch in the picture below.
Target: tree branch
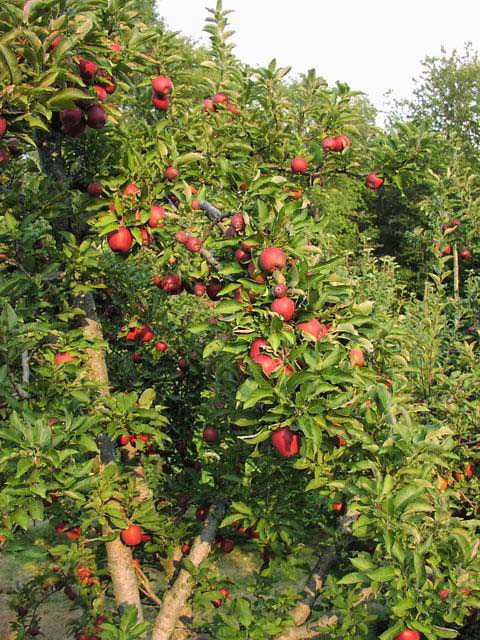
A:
(176, 597)
(212, 261)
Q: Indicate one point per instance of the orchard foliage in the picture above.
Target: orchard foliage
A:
(195, 336)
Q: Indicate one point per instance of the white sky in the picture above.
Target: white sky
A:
(372, 45)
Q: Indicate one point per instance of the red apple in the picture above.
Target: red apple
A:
(227, 545)
(131, 189)
(220, 98)
(286, 442)
(161, 103)
(132, 535)
(95, 189)
(161, 346)
(193, 244)
(343, 140)
(447, 251)
(55, 42)
(3, 126)
(374, 181)
(88, 70)
(185, 549)
(338, 507)
(208, 105)
(77, 130)
(256, 346)
(357, 359)
(145, 334)
(61, 358)
(201, 513)
(443, 593)
(120, 241)
(408, 634)
(272, 258)
(101, 93)
(212, 290)
(146, 236)
(170, 173)
(157, 214)
(299, 165)
(331, 144)
(196, 205)
(162, 85)
(96, 117)
(210, 434)
(268, 364)
(199, 288)
(243, 257)
(71, 117)
(136, 356)
(280, 290)
(313, 328)
(4, 157)
(238, 222)
(466, 254)
(284, 307)
(171, 283)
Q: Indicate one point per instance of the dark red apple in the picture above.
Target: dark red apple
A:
(70, 117)
(171, 283)
(95, 189)
(257, 345)
(208, 105)
(131, 189)
(136, 357)
(238, 222)
(161, 346)
(3, 126)
(96, 117)
(199, 288)
(101, 93)
(157, 215)
(331, 144)
(193, 244)
(408, 634)
(88, 70)
(4, 157)
(227, 545)
(146, 333)
(212, 290)
(210, 434)
(201, 513)
(466, 254)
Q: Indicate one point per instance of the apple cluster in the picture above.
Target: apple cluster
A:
(162, 88)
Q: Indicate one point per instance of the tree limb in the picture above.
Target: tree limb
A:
(176, 597)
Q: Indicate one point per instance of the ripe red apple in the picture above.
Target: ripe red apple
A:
(73, 533)
(22, 611)
(212, 290)
(108, 82)
(162, 103)
(313, 328)
(193, 244)
(146, 333)
(233, 109)
(96, 117)
(136, 356)
(161, 346)
(199, 288)
(208, 105)
(280, 290)
(146, 236)
(157, 215)
(357, 359)
(227, 545)
(447, 251)
(253, 533)
(374, 181)
(132, 535)
(181, 236)
(455, 222)
(123, 440)
(171, 283)
(272, 258)
(256, 347)
(77, 130)
(443, 593)
(115, 46)
(3, 126)
(33, 630)
(210, 434)
(299, 165)
(70, 117)
(60, 358)
(162, 85)
(196, 206)
(466, 254)
(201, 513)
(220, 98)
(95, 189)
(469, 470)
(332, 144)
(343, 140)
(296, 194)
(101, 93)
(284, 307)
(185, 549)
(238, 222)
(286, 442)
(338, 507)
(55, 42)
(88, 70)
(131, 189)
(120, 241)
(243, 257)
(171, 173)
(268, 364)
(408, 634)
(341, 442)
(182, 364)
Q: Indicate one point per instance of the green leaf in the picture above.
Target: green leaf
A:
(187, 158)
(382, 574)
(11, 63)
(65, 98)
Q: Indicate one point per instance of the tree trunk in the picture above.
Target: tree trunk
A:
(176, 597)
